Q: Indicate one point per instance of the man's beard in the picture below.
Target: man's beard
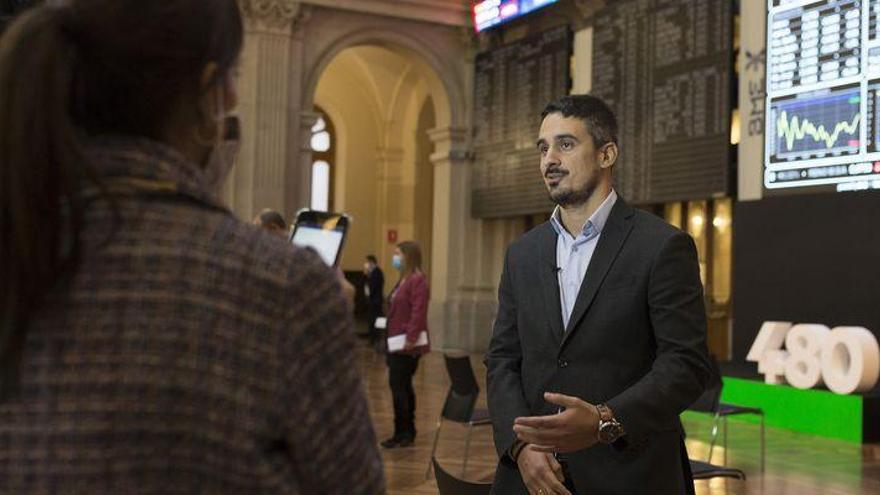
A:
(570, 197)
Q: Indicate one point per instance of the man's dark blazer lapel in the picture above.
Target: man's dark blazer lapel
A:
(616, 230)
(550, 280)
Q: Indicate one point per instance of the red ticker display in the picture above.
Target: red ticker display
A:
(489, 13)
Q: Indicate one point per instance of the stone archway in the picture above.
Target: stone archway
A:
(442, 62)
(450, 102)
(288, 45)
(380, 91)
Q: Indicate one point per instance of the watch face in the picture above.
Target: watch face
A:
(609, 432)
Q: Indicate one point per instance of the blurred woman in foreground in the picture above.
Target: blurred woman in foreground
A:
(149, 341)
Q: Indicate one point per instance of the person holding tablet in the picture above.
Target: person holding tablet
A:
(150, 341)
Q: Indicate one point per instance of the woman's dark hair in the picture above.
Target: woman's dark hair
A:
(412, 257)
(11, 8)
(86, 68)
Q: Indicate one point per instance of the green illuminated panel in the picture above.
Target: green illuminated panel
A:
(817, 412)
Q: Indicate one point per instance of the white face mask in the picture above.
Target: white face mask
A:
(223, 154)
(225, 147)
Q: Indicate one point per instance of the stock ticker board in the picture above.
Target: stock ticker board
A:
(512, 85)
(665, 67)
(823, 78)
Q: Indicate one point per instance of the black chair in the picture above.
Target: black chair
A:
(710, 402)
(460, 402)
(704, 471)
(450, 485)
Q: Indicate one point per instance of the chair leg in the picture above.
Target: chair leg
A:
(467, 447)
(762, 442)
(714, 437)
(725, 440)
(433, 449)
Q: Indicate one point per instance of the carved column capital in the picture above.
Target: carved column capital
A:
(450, 145)
(273, 13)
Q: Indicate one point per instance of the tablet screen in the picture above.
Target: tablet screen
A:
(322, 231)
(325, 242)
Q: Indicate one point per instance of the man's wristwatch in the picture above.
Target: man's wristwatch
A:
(610, 429)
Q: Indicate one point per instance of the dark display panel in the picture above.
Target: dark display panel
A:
(665, 68)
(805, 258)
(513, 83)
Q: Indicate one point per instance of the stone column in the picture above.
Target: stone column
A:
(451, 207)
(268, 89)
(461, 311)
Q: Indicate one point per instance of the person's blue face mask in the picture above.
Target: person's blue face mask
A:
(397, 262)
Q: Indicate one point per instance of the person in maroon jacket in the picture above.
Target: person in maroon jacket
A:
(408, 316)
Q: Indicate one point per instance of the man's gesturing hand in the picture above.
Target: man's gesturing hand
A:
(573, 429)
(541, 472)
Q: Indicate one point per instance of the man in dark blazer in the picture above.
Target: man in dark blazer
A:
(600, 339)
(374, 287)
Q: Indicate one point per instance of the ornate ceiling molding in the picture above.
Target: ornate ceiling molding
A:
(444, 12)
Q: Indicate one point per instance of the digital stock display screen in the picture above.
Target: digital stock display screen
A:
(823, 78)
(490, 13)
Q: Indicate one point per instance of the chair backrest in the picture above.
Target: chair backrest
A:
(463, 390)
(448, 484)
(708, 402)
(705, 471)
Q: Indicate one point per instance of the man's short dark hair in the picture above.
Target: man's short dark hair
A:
(271, 218)
(596, 114)
(372, 259)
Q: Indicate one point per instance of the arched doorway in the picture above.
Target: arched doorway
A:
(384, 100)
(288, 51)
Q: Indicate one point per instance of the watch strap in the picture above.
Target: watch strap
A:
(605, 414)
(516, 449)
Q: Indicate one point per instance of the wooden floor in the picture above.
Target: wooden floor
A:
(796, 464)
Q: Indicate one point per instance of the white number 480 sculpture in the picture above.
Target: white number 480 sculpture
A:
(846, 359)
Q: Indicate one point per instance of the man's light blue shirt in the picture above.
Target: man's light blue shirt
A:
(573, 254)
